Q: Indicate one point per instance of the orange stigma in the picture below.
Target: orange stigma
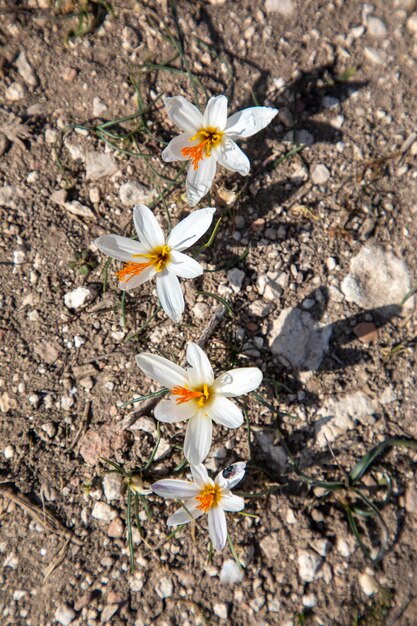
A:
(207, 138)
(185, 395)
(159, 258)
(209, 496)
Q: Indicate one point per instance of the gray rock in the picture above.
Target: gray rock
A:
(15, 92)
(25, 70)
(103, 512)
(276, 454)
(299, 340)
(340, 415)
(377, 279)
(258, 308)
(79, 297)
(164, 587)
(76, 208)
(98, 107)
(376, 26)
(99, 165)
(283, 7)
(113, 486)
(378, 57)
(320, 174)
(220, 609)
(308, 565)
(301, 138)
(236, 277)
(330, 102)
(132, 193)
(271, 546)
(64, 615)
(412, 24)
(230, 573)
(368, 584)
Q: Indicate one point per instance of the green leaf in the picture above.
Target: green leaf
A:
(366, 461)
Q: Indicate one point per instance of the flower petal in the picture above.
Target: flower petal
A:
(237, 382)
(249, 121)
(148, 230)
(170, 412)
(230, 502)
(199, 181)
(215, 114)
(139, 279)
(202, 372)
(225, 412)
(184, 114)
(117, 247)
(171, 488)
(217, 527)
(170, 295)
(232, 158)
(184, 266)
(164, 371)
(190, 229)
(186, 514)
(234, 474)
(197, 439)
(173, 150)
(200, 475)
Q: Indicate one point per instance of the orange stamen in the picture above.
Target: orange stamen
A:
(208, 138)
(185, 394)
(129, 270)
(159, 257)
(209, 496)
(195, 153)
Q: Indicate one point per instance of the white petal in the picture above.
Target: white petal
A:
(239, 381)
(249, 121)
(121, 248)
(225, 412)
(184, 266)
(147, 227)
(184, 114)
(234, 474)
(199, 181)
(170, 412)
(139, 279)
(215, 114)
(184, 516)
(232, 158)
(190, 229)
(200, 475)
(217, 527)
(202, 372)
(165, 372)
(232, 503)
(175, 489)
(197, 439)
(173, 150)
(170, 295)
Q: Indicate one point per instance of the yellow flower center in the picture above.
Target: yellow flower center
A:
(208, 497)
(159, 258)
(207, 138)
(201, 396)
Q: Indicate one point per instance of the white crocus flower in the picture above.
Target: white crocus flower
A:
(155, 255)
(204, 495)
(196, 396)
(209, 139)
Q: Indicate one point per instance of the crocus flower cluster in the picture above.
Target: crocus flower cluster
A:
(194, 393)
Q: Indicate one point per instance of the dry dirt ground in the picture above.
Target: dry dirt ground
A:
(315, 250)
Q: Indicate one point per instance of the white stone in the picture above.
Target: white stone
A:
(98, 107)
(76, 208)
(132, 193)
(309, 600)
(18, 257)
(64, 615)
(100, 165)
(231, 574)
(320, 174)
(412, 23)
(236, 277)
(274, 605)
(378, 57)
(376, 26)
(25, 70)
(388, 395)
(113, 486)
(103, 512)
(15, 92)
(299, 340)
(283, 7)
(220, 609)
(368, 584)
(330, 102)
(51, 135)
(79, 297)
(8, 452)
(164, 587)
(340, 415)
(76, 153)
(308, 564)
(271, 546)
(258, 308)
(130, 39)
(377, 279)
(345, 546)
